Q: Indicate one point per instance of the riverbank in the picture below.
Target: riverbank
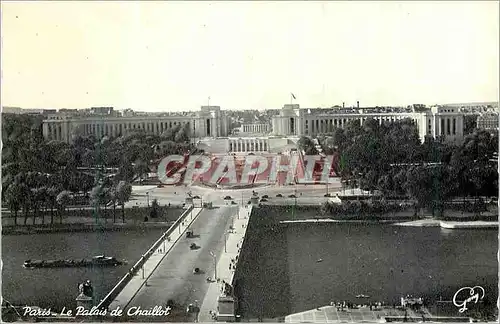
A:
(450, 224)
(415, 223)
(329, 220)
(88, 215)
(80, 227)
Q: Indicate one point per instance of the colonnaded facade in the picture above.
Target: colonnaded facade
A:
(292, 121)
(437, 121)
(210, 121)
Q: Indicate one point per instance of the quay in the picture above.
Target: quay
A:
(226, 268)
(365, 314)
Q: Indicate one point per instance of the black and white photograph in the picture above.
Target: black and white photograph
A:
(314, 162)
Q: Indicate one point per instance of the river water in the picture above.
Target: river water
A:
(57, 288)
(279, 272)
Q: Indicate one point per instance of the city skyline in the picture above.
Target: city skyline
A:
(173, 56)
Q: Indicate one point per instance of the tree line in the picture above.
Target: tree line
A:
(51, 175)
(391, 158)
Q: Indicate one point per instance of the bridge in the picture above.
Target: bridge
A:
(164, 274)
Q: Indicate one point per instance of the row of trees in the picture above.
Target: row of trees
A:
(49, 175)
(390, 158)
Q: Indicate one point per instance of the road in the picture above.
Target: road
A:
(176, 195)
(174, 278)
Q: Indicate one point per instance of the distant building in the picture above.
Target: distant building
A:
(101, 110)
(488, 120)
(102, 121)
(20, 111)
(437, 121)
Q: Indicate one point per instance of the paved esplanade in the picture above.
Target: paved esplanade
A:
(176, 195)
(174, 278)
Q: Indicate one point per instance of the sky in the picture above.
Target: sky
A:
(173, 56)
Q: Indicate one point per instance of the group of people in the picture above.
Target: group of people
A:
(232, 265)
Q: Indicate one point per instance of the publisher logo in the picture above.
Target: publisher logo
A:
(467, 295)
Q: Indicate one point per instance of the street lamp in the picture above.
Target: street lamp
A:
(215, 264)
(147, 195)
(225, 242)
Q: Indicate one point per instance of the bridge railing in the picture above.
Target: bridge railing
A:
(106, 301)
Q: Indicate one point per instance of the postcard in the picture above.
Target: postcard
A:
(296, 162)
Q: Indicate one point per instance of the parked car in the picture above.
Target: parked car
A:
(279, 195)
(227, 198)
(292, 196)
(263, 200)
(265, 196)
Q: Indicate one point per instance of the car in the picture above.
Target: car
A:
(233, 202)
(227, 198)
(279, 195)
(160, 186)
(193, 246)
(328, 195)
(196, 197)
(265, 196)
(292, 196)
(263, 200)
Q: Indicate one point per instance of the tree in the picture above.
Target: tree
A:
(155, 208)
(182, 135)
(13, 195)
(125, 172)
(306, 144)
(141, 169)
(63, 199)
(51, 200)
(97, 197)
(123, 191)
(38, 199)
(113, 196)
(418, 181)
(25, 200)
(470, 123)
(339, 138)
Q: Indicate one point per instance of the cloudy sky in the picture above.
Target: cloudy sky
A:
(158, 56)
